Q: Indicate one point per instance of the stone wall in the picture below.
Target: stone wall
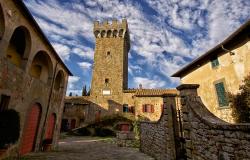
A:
(25, 89)
(206, 136)
(157, 138)
(203, 135)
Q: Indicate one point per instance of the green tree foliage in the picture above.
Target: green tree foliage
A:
(88, 94)
(84, 91)
(241, 102)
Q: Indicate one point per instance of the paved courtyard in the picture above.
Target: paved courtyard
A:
(89, 148)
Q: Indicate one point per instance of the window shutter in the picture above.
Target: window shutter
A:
(152, 109)
(148, 108)
(220, 90)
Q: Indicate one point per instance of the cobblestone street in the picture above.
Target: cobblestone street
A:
(89, 148)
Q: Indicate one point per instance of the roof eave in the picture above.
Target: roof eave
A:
(27, 12)
(188, 67)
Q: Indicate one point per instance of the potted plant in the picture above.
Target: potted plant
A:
(47, 143)
(9, 128)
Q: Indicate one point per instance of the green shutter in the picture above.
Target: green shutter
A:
(221, 93)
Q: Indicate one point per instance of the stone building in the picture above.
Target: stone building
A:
(220, 70)
(33, 78)
(74, 113)
(109, 89)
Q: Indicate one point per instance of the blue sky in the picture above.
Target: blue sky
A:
(165, 34)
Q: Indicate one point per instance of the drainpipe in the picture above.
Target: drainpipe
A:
(47, 109)
(227, 50)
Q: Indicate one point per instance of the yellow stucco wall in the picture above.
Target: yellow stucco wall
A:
(157, 102)
(231, 70)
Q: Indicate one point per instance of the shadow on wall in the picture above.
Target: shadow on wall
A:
(95, 113)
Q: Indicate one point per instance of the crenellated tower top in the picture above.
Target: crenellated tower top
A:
(114, 30)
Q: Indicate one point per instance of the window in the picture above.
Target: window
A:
(132, 109)
(108, 53)
(125, 108)
(221, 94)
(149, 108)
(106, 80)
(214, 62)
(4, 102)
(109, 33)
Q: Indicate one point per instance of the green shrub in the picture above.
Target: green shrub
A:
(104, 132)
(84, 131)
(9, 127)
(240, 102)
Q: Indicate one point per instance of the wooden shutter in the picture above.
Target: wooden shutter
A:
(152, 109)
(220, 90)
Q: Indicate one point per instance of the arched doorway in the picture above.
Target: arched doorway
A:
(50, 126)
(30, 129)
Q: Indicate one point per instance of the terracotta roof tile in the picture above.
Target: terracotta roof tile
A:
(76, 100)
(154, 92)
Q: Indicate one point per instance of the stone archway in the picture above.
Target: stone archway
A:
(19, 47)
(42, 67)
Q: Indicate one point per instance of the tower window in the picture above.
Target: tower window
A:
(4, 102)
(108, 53)
(106, 80)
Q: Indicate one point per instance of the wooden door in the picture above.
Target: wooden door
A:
(73, 124)
(50, 126)
(30, 130)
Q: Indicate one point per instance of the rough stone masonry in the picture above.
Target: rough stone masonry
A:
(206, 137)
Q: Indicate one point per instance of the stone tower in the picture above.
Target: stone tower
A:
(110, 71)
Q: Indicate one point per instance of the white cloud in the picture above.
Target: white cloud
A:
(184, 28)
(85, 52)
(73, 81)
(134, 69)
(85, 65)
(62, 50)
(148, 83)
(73, 85)
(75, 92)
